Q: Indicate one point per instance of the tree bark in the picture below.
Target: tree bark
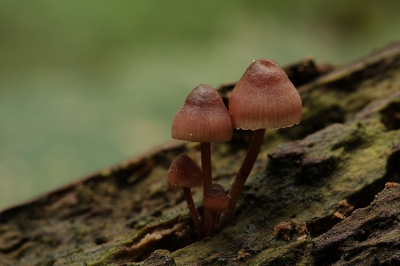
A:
(312, 198)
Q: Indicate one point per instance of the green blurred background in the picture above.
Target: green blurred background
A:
(85, 84)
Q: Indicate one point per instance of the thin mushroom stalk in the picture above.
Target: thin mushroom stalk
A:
(207, 177)
(206, 165)
(241, 177)
(198, 224)
(213, 224)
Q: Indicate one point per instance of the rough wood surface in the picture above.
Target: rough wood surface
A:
(308, 201)
(372, 232)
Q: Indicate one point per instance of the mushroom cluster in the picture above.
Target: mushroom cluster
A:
(264, 98)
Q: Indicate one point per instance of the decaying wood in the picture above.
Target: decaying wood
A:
(308, 201)
(372, 232)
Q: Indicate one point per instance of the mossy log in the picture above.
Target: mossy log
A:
(321, 193)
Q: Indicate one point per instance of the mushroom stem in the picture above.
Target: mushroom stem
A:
(207, 176)
(241, 177)
(198, 224)
(213, 220)
(206, 164)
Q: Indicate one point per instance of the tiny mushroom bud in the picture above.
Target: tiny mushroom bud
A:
(215, 200)
(264, 98)
(184, 173)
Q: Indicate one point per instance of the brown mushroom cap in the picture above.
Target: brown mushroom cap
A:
(215, 199)
(183, 172)
(203, 118)
(265, 98)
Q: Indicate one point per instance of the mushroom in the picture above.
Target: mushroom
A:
(184, 173)
(264, 98)
(203, 118)
(215, 200)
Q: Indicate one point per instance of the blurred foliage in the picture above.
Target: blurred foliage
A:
(84, 84)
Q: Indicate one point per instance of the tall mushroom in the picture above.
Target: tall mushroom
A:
(184, 173)
(203, 118)
(215, 200)
(264, 98)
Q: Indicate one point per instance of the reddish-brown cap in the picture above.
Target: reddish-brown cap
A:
(215, 198)
(183, 172)
(203, 118)
(265, 98)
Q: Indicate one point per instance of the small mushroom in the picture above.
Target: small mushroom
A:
(215, 200)
(264, 98)
(184, 173)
